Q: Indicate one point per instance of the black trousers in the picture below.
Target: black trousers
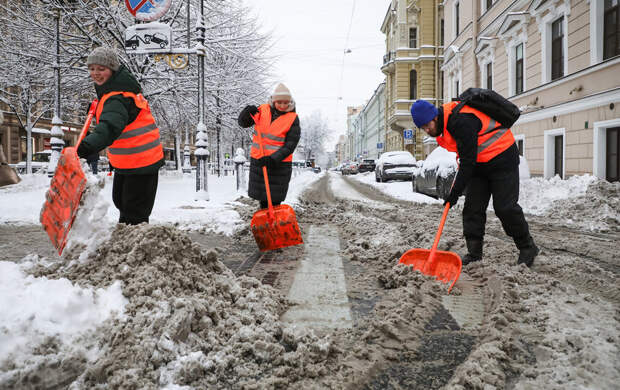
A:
(264, 204)
(134, 196)
(503, 184)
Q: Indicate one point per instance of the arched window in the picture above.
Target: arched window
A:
(413, 84)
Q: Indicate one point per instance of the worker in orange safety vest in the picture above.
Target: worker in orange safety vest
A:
(488, 165)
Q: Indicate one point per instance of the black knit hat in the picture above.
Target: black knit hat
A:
(105, 56)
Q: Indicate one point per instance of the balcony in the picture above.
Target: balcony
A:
(388, 57)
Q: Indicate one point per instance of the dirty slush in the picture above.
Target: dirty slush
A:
(189, 321)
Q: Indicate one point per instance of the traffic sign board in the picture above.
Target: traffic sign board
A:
(408, 136)
(148, 10)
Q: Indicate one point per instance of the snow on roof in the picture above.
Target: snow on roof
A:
(39, 130)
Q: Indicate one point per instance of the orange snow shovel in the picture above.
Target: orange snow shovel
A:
(276, 226)
(66, 188)
(445, 266)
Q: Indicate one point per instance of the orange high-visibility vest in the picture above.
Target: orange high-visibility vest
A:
(273, 134)
(492, 137)
(139, 144)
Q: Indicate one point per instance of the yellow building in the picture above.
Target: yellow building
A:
(414, 52)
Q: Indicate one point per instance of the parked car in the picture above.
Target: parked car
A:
(367, 165)
(40, 161)
(396, 165)
(316, 169)
(434, 176)
(350, 168)
(156, 38)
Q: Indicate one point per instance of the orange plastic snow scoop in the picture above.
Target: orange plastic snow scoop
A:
(445, 266)
(66, 188)
(276, 226)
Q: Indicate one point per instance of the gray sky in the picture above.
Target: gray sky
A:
(310, 38)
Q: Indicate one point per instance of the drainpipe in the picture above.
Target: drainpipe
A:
(475, 10)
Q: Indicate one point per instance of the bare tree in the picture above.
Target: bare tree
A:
(314, 133)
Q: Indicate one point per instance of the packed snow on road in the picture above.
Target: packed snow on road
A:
(188, 302)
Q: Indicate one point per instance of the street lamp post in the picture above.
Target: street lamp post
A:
(202, 139)
(56, 139)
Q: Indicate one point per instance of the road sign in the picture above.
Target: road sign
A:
(148, 37)
(380, 146)
(148, 10)
(408, 136)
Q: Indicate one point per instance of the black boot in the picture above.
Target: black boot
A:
(527, 251)
(474, 251)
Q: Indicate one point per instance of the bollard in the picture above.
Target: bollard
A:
(239, 161)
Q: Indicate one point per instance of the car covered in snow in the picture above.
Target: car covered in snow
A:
(397, 165)
(367, 165)
(435, 175)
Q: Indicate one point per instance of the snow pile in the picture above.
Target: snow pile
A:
(584, 201)
(90, 227)
(29, 328)
(190, 321)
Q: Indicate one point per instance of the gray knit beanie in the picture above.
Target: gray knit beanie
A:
(105, 56)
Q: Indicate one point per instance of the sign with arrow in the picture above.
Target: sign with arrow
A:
(148, 10)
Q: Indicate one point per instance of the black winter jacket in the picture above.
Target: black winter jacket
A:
(280, 175)
(117, 113)
(464, 128)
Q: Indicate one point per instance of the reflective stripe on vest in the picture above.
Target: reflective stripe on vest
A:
(492, 137)
(273, 133)
(139, 144)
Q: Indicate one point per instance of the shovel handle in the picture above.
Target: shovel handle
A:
(89, 119)
(262, 152)
(431, 257)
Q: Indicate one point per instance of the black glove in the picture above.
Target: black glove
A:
(266, 161)
(452, 197)
(251, 109)
(82, 151)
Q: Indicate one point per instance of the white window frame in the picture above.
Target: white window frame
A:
(454, 18)
(512, 66)
(520, 137)
(549, 149)
(599, 144)
(544, 26)
(483, 6)
(485, 56)
(596, 31)
(484, 72)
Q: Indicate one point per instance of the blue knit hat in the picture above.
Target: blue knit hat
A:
(423, 112)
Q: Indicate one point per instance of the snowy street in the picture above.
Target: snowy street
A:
(189, 302)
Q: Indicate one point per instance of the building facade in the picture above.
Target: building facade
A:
(414, 52)
(370, 123)
(558, 60)
(353, 146)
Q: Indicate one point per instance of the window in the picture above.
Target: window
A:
(413, 84)
(520, 146)
(441, 85)
(519, 69)
(456, 89)
(441, 32)
(457, 6)
(413, 37)
(490, 75)
(611, 29)
(613, 154)
(558, 163)
(489, 3)
(557, 49)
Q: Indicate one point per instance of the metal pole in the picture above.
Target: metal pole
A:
(218, 123)
(201, 152)
(187, 168)
(56, 140)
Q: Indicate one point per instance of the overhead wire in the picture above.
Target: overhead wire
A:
(344, 51)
